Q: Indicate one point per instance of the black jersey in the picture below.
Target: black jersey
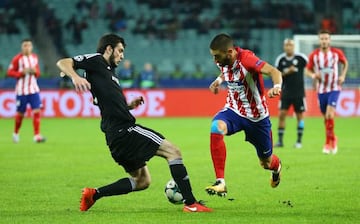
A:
(107, 94)
(293, 84)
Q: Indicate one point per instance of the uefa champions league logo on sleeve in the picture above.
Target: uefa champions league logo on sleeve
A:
(79, 58)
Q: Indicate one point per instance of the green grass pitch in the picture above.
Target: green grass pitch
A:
(41, 183)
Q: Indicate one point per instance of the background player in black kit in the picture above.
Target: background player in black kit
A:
(131, 145)
(292, 66)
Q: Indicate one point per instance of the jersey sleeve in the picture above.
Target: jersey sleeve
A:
(277, 62)
(251, 62)
(37, 67)
(303, 59)
(342, 57)
(85, 61)
(310, 64)
(13, 70)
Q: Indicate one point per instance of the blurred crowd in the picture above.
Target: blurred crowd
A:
(237, 16)
(148, 77)
(181, 14)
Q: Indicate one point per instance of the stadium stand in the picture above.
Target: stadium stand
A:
(167, 33)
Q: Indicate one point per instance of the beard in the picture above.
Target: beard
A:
(112, 61)
(325, 46)
(225, 62)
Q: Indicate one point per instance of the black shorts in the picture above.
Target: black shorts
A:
(298, 103)
(134, 146)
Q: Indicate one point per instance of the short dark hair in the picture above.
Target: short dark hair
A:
(109, 39)
(26, 40)
(222, 42)
(324, 31)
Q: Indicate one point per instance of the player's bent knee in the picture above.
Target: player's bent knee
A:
(169, 151)
(175, 152)
(142, 182)
(217, 127)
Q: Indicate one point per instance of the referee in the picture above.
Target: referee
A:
(131, 145)
(292, 67)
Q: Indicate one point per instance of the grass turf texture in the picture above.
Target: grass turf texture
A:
(41, 183)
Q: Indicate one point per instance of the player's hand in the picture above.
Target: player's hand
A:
(136, 102)
(27, 71)
(341, 80)
(292, 69)
(214, 86)
(316, 76)
(81, 84)
(273, 92)
(32, 71)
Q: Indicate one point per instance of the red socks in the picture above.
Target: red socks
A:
(18, 122)
(218, 154)
(275, 162)
(329, 127)
(36, 123)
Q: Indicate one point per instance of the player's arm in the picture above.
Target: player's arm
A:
(136, 102)
(309, 69)
(66, 65)
(13, 70)
(343, 70)
(290, 70)
(310, 73)
(314, 76)
(214, 86)
(276, 77)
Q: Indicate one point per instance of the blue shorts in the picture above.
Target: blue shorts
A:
(257, 133)
(326, 99)
(23, 100)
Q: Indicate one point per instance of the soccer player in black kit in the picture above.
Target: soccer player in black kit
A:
(130, 144)
(291, 65)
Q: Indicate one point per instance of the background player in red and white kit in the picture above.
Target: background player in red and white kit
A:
(292, 65)
(25, 68)
(245, 109)
(323, 67)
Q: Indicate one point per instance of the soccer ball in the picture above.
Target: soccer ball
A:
(172, 192)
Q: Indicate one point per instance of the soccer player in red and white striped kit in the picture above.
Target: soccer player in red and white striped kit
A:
(25, 68)
(245, 109)
(323, 68)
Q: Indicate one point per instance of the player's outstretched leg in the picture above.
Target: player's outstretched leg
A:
(180, 176)
(139, 180)
(218, 156)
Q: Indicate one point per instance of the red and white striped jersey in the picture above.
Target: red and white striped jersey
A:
(326, 64)
(26, 84)
(246, 92)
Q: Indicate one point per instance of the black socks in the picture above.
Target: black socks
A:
(122, 186)
(180, 175)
